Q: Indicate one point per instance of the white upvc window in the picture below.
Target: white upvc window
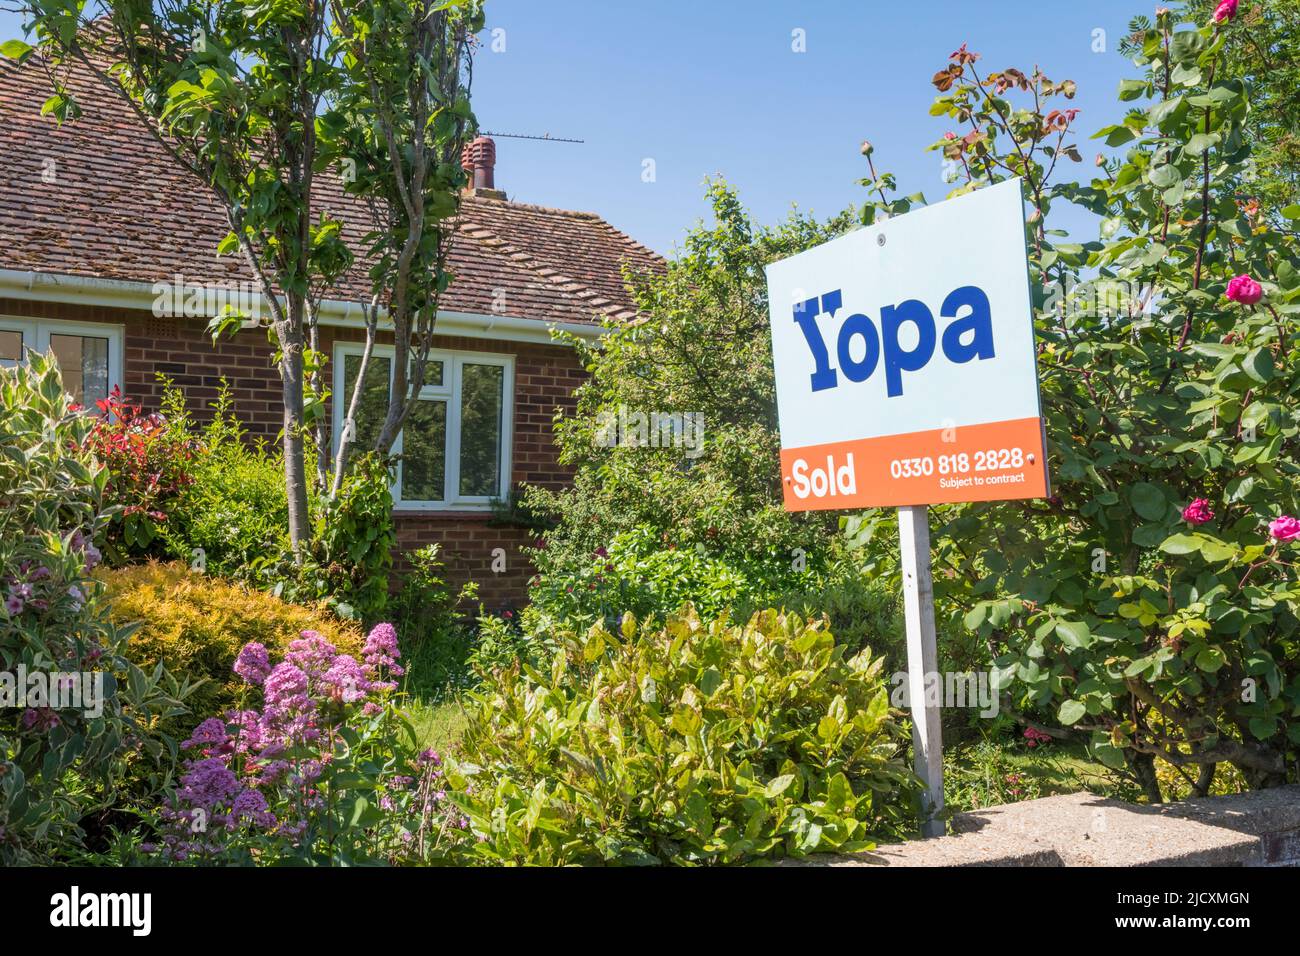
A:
(89, 353)
(454, 450)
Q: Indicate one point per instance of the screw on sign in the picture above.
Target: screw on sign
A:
(906, 377)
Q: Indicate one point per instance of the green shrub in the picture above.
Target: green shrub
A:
(195, 624)
(349, 559)
(53, 619)
(233, 520)
(436, 644)
(642, 573)
(235, 510)
(704, 351)
(684, 742)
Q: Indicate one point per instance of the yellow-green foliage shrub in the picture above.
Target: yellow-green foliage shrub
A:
(196, 624)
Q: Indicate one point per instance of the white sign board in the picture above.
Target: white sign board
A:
(905, 364)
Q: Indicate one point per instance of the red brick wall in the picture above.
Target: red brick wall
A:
(545, 377)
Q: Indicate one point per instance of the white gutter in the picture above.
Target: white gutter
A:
(140, 296)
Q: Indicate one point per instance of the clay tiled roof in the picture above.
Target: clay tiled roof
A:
(101, 197)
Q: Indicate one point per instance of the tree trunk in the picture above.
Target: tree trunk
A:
(295, 465)
(1144, 768)
(1205, 779)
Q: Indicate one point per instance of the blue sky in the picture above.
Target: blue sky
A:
(714, 87)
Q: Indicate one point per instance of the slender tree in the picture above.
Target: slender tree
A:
(232, 91)
(258, 100)
(400, 121)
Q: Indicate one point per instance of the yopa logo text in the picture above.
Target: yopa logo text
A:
(967, 337)
(75, 909)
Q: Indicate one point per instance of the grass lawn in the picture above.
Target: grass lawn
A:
(437, 725)
(988, 773)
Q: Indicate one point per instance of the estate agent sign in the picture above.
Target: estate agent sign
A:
(906, 377)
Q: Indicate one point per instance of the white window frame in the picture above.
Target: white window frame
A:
(450, 392)
(36, 334)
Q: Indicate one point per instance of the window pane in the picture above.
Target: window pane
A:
(83, 362)
(480, 429)
(374, 397)
(432, 372)
(11, 347)
(424, 452)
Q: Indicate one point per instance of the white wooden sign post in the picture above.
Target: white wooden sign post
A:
(922, 659)
(906, 376)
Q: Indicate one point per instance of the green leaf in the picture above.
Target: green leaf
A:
(1132, 89)
(1259, 365)
(1214, 550)
(15, 49)
(1181, 544)
(779, 785)
(1148, 535)
(1162, 177)
(1071, 712)
(1210, 659)
(1148, 501)
(1263, 727)
(1074, 634)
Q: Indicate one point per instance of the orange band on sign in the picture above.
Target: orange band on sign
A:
(999, 461)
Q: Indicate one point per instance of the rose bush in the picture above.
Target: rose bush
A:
(1100, 606)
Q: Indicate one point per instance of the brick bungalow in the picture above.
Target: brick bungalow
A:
(97, 221)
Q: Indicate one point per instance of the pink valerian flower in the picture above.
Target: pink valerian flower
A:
(208, 783)
(269, 769)
(251, 804)
(1245, 290)
(1284, 528)
(1225, 11)
(1198, 512)
(345, 680)
(211, 733)
(381, 650)
(253, 663)
(312, 654)
(248, 731)
(287, 714)
(284, 686)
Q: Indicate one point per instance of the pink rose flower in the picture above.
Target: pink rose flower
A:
(1198, 512)
(1284, 528)
(1245, 290)
(1225, 11)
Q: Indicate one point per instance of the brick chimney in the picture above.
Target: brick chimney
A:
(479, 160)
